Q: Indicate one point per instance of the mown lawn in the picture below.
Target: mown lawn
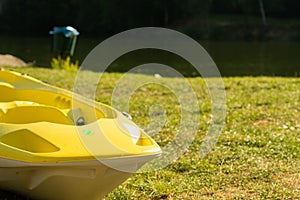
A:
(256, 157)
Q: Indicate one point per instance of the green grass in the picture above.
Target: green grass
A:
(256, 157)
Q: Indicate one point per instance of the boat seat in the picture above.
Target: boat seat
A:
(32, 114)
(4, 84)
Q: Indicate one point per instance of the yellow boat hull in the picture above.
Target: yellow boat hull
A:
(55, 144)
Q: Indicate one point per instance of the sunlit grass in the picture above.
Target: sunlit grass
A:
(256, 157)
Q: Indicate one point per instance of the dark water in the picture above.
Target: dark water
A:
(256, 58)
(232, 58)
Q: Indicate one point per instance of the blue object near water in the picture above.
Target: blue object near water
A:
(64, 40)
(68, 31)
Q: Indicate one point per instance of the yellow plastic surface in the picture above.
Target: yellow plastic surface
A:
(42, 123)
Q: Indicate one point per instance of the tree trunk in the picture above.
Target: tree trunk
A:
(166, 14)
(262, 11)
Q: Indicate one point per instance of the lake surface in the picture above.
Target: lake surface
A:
(234, 58)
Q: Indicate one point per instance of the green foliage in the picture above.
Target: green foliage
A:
(60, 63)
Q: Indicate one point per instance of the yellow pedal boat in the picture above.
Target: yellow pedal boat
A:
(55, 144)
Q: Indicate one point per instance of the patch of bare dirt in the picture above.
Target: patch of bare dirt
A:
(11, 61)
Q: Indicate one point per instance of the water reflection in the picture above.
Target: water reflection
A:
(234, 58)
